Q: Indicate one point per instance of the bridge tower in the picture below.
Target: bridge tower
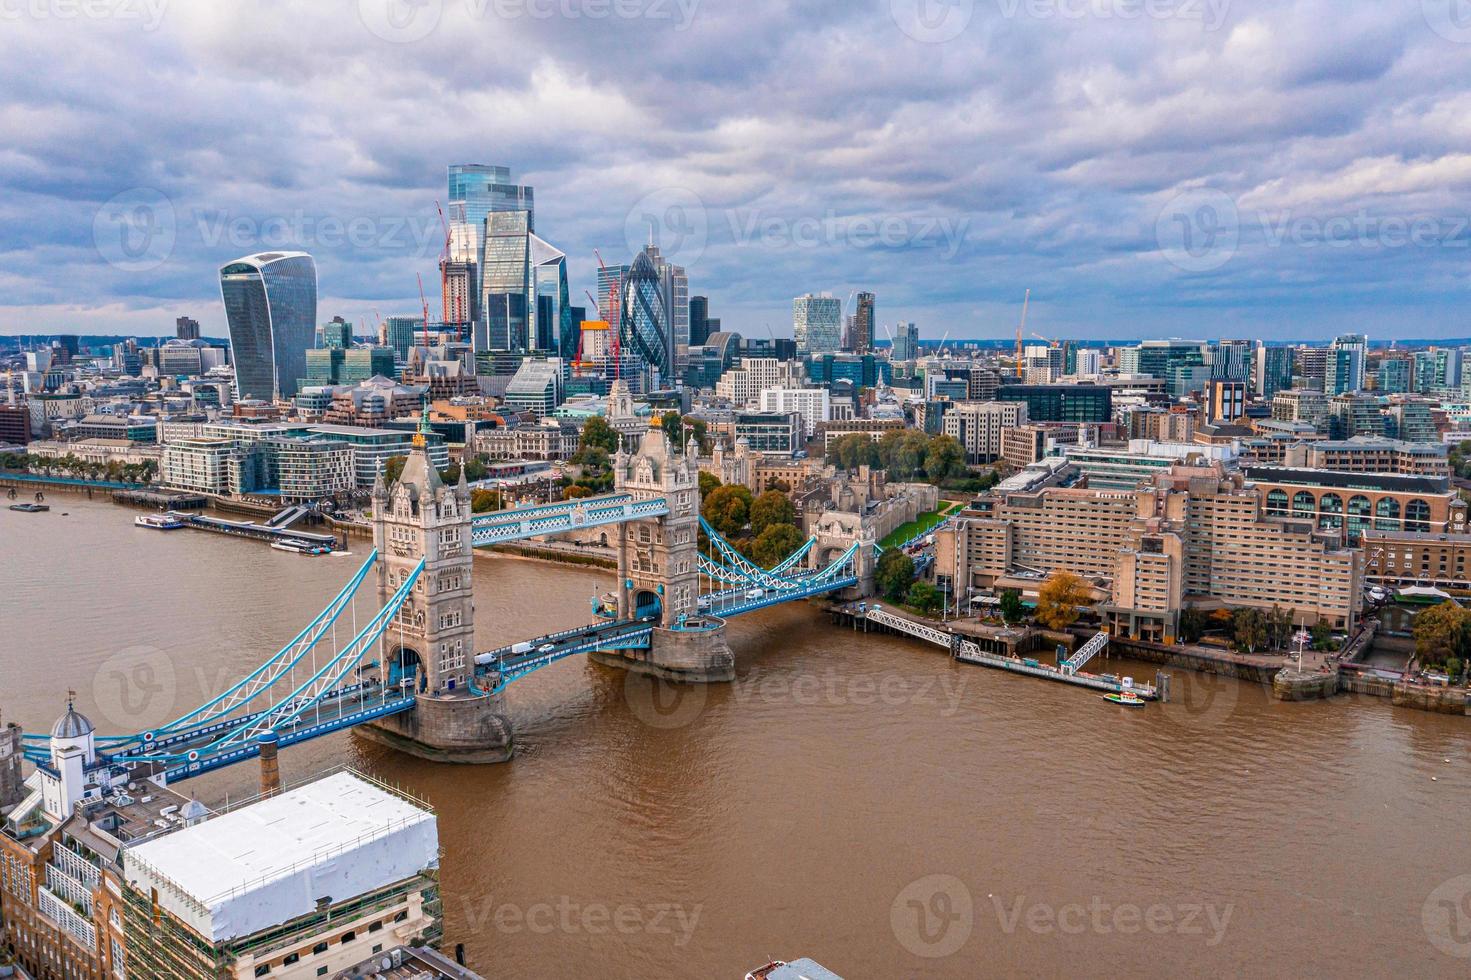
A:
(430, 645)
(659, 571)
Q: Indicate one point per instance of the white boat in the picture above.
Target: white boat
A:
(300, 547)
(159, 522)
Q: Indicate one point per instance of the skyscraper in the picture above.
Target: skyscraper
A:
(1231, 360)
(699, 320)
(860, 338)
(610, 281)
(906, 343)
(675, 286)
(817, 323)
(1347, 360)
(483, 189)
(644, 328)
(402, 332)
(337, 333)
(271, 311)
(186, 328)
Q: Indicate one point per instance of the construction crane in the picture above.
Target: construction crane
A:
(615, 311)
(450, 316)
(382, 327)
(1022, 326)
(423, 302)
(1047, 340)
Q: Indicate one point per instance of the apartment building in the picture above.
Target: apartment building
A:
(1367, 454)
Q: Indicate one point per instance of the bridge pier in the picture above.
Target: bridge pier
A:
(464, 728)
(696, 654)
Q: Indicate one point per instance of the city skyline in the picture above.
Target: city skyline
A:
(924, 187)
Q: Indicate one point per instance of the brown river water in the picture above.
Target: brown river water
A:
(858, 799)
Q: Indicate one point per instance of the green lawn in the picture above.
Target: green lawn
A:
(904, 532)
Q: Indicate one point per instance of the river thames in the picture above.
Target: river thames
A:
(858, 799)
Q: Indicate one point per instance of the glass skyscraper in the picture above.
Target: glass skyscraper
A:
(271, 311)
(481, 189)
(644, 328)
(817, 323)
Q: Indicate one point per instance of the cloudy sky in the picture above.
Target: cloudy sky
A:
(1277, 168)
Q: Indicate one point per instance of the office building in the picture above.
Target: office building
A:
(1062, 403)
(537, 387)
(1356, 502)
(860, 333)
(1308, 405)
(770, 433)
(645, 327)
(1395, 376)
(477, 190)
(743, 384)
(863, 370)
(699, 321)
(817, 323)
(980, 426)
(403, 333)
(1367, 454)
(1231, 360)
(813, 404)
(674, 287)
(906, 342)
(186, 328)
(271, 309)
(337, 333)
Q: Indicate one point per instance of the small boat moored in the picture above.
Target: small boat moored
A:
(30, 508)
(1127, 698)
(158, 522)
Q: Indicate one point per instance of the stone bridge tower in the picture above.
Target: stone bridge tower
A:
(430, 644)
(658, 568)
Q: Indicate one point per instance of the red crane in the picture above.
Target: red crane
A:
(615, 330)
(424, 302)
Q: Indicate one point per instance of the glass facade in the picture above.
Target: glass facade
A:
(271, 311)
(482, 189)
(817, 324)
(644, 329)
(1062, 403)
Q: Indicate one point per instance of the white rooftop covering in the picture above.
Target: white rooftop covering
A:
(272, 860)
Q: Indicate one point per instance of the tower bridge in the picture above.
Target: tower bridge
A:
(408, 675)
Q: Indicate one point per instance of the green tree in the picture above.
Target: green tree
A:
(393, 469)
(1059, 598)
(485, 501)
(1441, 633)
(852, 451)
(598, 434)
(774, 543)
(451, 473)
(1012, 609)
(945, 459)
(1251, 630)
(475, 468)
(708, 483)
(772, 507)
(924, 597)
(1192, 625)
(894, 574)
(728, 509)
(903, 452)
(1323, 636)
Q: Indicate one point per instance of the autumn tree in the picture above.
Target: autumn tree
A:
(1059, 598)
(1441, 633)
(1251, 630)
(772, 507)
(708, 483)
(728, 509)
(852, 451)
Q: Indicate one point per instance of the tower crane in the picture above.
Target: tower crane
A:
(1022, 326)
